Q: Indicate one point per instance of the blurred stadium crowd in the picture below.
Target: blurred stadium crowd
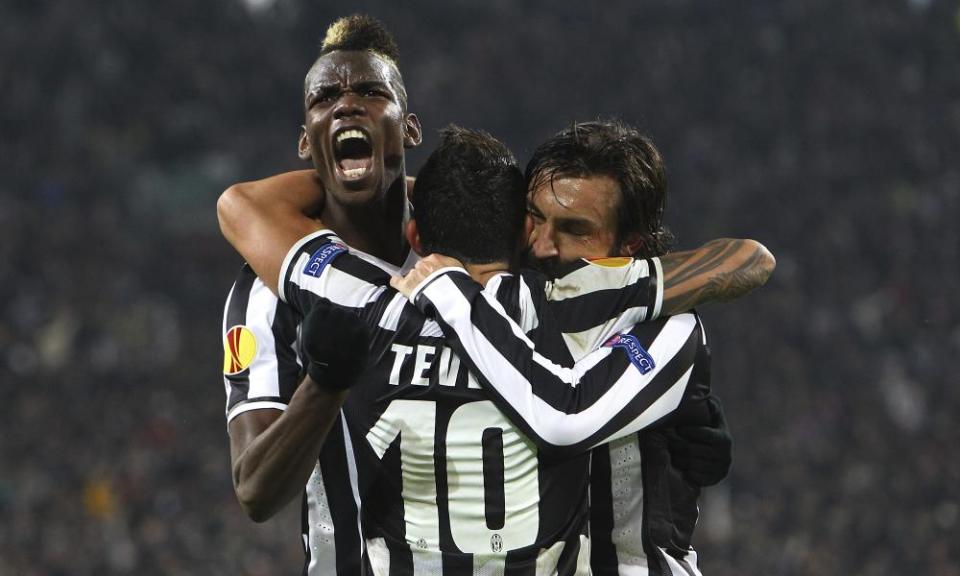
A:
(829, 131)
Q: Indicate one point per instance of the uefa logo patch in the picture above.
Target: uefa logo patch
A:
(639, 357)
(322, 257)
(239, 350)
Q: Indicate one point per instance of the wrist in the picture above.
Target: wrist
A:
(419, 288)
(326, 379)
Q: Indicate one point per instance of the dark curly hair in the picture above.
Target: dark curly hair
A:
(362, 33)
(614, 149)
(470, 198)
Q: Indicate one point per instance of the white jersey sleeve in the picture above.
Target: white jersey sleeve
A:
(631, 380)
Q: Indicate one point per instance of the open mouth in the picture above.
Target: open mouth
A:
(353, 153)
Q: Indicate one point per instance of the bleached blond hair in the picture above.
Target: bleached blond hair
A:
(361, 32)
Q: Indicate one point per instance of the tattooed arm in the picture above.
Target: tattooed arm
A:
(721, 269)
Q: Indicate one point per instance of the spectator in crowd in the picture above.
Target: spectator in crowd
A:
(831, 129)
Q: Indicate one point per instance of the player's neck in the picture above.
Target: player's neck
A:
(375, 228)
(484, 272)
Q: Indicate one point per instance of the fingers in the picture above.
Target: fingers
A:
(434, 262)
(704, 479)
(401, 285)
(694, 457)
(424, 268)
(700, 469)
(703, 434)
(329, 328)
(336, 343)
(702, 443)
(407, 284)
(716, 412)
(440, 261)
(702, 453)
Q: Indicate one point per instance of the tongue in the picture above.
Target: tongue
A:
(354, 163)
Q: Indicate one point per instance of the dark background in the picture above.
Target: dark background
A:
(828, 130)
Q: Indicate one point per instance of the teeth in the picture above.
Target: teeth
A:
(346, 134)
(354, 173)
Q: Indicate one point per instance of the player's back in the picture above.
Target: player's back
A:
(449, 485)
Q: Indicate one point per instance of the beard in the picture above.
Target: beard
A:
(551, 267)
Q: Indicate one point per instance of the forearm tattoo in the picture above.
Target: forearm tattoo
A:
(721, 270)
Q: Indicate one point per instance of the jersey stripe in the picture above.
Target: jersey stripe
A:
(320, 530)
(603, 554)
(330, 521)
(274, 371)
(261, 312)
(235, 313)
(626, 496)
(330, 517)
(408, 358)
(571, 418)
(294, 252)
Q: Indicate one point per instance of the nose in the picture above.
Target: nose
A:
(542, 242)
(348, 105)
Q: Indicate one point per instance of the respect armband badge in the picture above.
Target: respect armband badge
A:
(638, 356)
(322, 258)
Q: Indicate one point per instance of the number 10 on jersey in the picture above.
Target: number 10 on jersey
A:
(491, 474)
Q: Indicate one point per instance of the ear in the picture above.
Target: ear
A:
(303, 145)
(413, 237)
(631, 245)
(412, 132)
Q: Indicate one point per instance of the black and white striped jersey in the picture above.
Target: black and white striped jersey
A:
(643, 512)
(449, 485)
(633, 376)
(260, 365)
(261, 371)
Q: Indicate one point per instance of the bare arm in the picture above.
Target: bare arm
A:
(273, 453)
(722, 269)
(264, 218)
(562, 409)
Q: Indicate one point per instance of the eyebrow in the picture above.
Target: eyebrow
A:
(568, 221)
(565, 221)
(315, 89)
(371, 84)
(361, 85)
(385, 86)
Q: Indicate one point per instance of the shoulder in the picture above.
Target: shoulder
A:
(248, 290)
(679, 327)
(585, 276)
(250, 303)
